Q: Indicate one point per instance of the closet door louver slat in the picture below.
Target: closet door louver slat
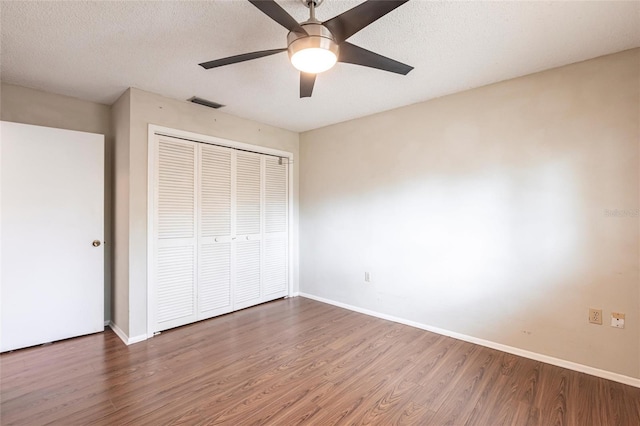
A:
(175, 283)
(275, 267)
(248, 194)
(275, 196)
(215, 192)
(176, 213)
(214, 293)
(247, 286)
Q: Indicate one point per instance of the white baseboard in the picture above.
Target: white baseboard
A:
(123, 336)
(106, 323)
(487, 343)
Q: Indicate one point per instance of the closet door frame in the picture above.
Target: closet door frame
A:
(153, 131)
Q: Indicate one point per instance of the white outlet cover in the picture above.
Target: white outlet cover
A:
(617, 323)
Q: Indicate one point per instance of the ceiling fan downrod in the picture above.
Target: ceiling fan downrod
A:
(312, 4)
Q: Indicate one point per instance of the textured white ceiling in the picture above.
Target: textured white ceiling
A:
(95, 50)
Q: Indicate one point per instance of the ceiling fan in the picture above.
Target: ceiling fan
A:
(316, 46)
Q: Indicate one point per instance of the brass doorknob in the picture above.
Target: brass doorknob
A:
(96, 243)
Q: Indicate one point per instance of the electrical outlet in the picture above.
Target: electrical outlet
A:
(595, 316)
(367, 277)
(617, 320)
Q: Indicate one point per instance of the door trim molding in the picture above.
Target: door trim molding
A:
(154, 130)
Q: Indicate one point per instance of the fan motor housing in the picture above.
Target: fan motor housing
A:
(318, 36)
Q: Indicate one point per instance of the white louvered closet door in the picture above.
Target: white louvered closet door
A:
(175, 233)
(248, 229)
(276, 240)
(220, 231)
(215, 242)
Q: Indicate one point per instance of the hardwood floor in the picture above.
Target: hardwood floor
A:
(298, 361)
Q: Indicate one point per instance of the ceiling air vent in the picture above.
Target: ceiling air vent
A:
(204, 102)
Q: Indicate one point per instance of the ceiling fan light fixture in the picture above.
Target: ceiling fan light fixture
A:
(314, 60)
(316, 46)
(313, 53)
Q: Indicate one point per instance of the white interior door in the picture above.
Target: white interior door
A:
(51, 212)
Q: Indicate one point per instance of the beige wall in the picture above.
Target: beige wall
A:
(120, 128)
(148, 108)
(23, 105)
(483, 212)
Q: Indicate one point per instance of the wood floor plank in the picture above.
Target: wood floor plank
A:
(297, 361)
(498, 401)
(471, 385)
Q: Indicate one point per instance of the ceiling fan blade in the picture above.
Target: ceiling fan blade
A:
(352, 54)
(353, 20)
(307, 81)
(240, 58)
(278, 14)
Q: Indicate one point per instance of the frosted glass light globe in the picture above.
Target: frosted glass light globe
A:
(313, 60)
